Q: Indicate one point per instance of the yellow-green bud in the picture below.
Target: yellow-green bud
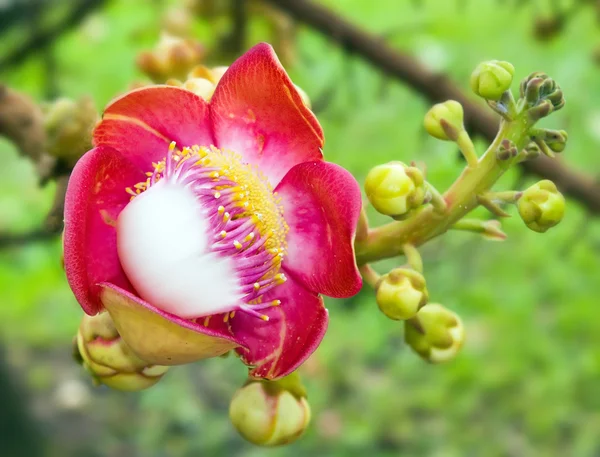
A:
(401, 293)
(109, 360)
(436, 333)
(394, 188)
(444, 121)
(270, 413)
(201, 80)
(69, 125)
(491, 79)
(541, 206)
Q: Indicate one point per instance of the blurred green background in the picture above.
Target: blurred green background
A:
(527, 382)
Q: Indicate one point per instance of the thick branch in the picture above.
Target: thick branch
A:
(21, 121)
(436, 88)
(13, 240)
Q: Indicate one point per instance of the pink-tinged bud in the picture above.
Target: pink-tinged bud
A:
(109, 360)
(271, 413)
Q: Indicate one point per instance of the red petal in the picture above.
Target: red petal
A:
(321, 204)
(258, 113)
(161, 338)
(143, 122)
(293, 332)
(95, 197)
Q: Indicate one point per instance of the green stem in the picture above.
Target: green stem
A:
(470, 225)
(413, 257)
(370, 276)
(461, 198)
(467, 148)
(437, 199)
(507, 196)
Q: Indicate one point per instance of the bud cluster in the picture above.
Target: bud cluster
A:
(401, 191)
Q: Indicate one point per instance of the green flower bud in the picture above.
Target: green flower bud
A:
(109, 360)
(270, 413)
(69, 125)
(556, 139)
(394, 188)
(541, 206)
(444, 121)
(401, 293)
(491, 79)
(436, 333)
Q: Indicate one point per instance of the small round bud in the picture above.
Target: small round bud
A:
(201, 80)
(491, 79)
(173, 57)
(267, 413)
(69, 125)
(109, 360)
(444, 121)
(541, 206)
(394, 188)
(200, 86)
(436, 333)
(556, 140)
(401, 293)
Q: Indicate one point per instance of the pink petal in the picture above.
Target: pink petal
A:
(321, 204)
(258, 113)
(95, 197)
(143, 122)
(161, 338)
(295, 329)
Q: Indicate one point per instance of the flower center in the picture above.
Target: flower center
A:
(203, 235)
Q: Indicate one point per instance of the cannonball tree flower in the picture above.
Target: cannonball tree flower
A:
(203, 227)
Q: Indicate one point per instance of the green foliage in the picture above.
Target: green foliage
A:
(526, 381)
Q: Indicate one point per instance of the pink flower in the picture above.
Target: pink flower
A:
(203, 227)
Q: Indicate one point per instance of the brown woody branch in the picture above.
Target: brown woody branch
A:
(435, 87)
(22, 122)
